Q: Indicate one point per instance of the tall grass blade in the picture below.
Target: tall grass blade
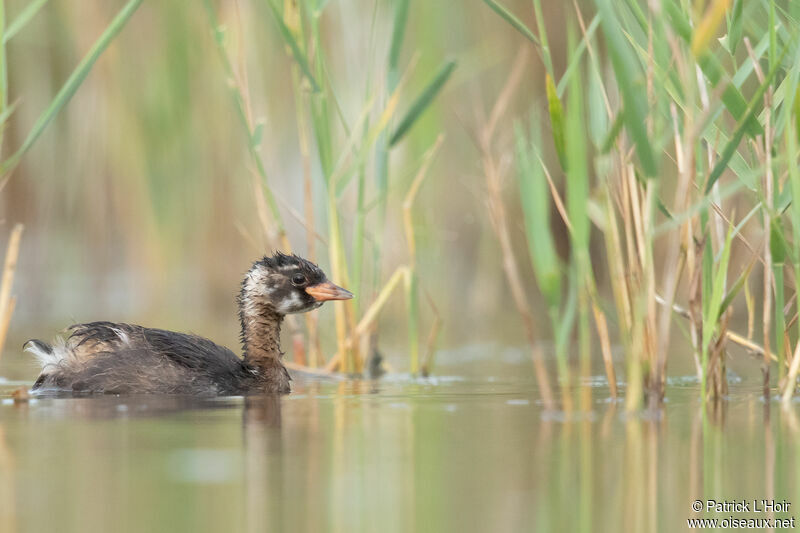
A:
(796, 109)
(7, 301)
(629, 80)
(512, 19)
(398, 33)
(613, 133)
(382, 148)
(707, 28)
(293, 45)
(790, 138)
(556, 120)
(732, 98)
(735, 289)
(3, 67)
(735, 26)
(23, 19)
(577, 55)
(715, 293)
(422, 102)
(534, 195)
(73, 82)
(739, 132)
(578, 171)
(412, 309)
(545, 44)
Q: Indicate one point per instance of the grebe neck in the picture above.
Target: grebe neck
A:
(261, 333)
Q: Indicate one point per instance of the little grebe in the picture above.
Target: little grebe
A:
(119, 358)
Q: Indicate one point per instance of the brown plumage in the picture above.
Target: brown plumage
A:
(123, 358)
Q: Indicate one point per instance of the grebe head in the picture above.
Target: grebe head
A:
(288, 284)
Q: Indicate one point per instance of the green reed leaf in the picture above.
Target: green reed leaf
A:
(629, 79)
(293, 45)
(739, 132)
(556, 120)
(422, 101)
(535, 199)
(512, 19)
(73, 82)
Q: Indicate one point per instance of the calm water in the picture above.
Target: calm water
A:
(446, 454)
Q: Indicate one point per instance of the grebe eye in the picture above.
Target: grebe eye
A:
(298, 279)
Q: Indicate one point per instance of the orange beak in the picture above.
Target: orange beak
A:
(322, 292)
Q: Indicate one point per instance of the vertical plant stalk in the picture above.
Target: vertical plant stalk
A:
(3, 73)
(368, 319)
(430, 345)
(605, 343)
(768, 266)
(7, 301)
(790, 133)
(612, 243)
(412, 287)
(682, 199)
(651, 330)
(359, 227)
(499, 220)
(336, 254)
(382, 146)
(578, 187)
(343, 311)
(637, 208)
(600, 317)
(312, 319)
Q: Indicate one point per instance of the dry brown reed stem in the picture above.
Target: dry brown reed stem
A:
(741, 340)
(403, 273)
(695, 313)
(605, 345)
(430, 344)
(768, 191)
(768, 198)
(8, 302)
(634, 205)
(321, 372)
(791, 378)
(348, 346)
(717, 380)
(559, 203)
(590, 50)
(671, 276)
(655, 384)
(408, 225)
(634, 271)
(618, 275)
(499, 220)
(369, 316)
(411, 195)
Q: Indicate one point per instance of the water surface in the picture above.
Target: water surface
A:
(443, 454)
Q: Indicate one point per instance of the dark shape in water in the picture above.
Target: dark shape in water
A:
(119, 358)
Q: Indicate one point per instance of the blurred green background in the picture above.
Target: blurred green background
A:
(138, 202)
